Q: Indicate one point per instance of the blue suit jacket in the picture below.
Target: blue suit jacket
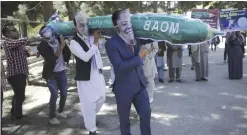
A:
(129, 76)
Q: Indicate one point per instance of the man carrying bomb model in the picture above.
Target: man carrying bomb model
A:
(130, 84)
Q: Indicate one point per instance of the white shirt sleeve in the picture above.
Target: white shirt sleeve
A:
(98, 59)
(78, 51)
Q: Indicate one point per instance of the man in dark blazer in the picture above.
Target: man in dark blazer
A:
(55, 53)
(129, 85)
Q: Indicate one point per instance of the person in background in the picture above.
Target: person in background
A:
(174, 62)
(17, 66)
(214, 43)
(51, 49)
(89, 74)
(160, 61)
(192, 62)
(226, 46)
(235, 56)
(149, 68)
(195, 56)
(204, 50)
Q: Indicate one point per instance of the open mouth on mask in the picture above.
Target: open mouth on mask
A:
(128, 31)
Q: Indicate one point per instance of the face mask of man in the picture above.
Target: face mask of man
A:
(49, 35)
(125, 27)
(81, 19)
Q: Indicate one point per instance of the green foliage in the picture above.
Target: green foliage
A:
(8, 8)
(33, 31)
(98, 8)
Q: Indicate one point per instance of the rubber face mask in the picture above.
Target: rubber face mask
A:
(125, 27)
(81, 19)
(48, 34)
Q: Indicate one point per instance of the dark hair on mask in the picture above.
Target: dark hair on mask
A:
(5, 29)
(74, 21)
(41, 30)
(115, 16)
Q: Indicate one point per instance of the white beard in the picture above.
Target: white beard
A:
(128, 38)
(125, 27)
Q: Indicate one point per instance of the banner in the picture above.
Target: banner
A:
(209, 16)
(233, 20)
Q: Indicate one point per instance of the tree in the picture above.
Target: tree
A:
(9, 7)
(71, 8)
(229, 4)
(48, 10)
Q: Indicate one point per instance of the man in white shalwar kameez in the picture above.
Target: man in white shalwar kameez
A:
(150, 69)
(91, 90)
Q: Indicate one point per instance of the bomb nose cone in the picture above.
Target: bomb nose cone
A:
(212, 32)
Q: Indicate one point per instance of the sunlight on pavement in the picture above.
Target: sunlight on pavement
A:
(160, 87)
(178, 94)
(71, 88)
(232, 95)
(240, 97)
(164, 118)
(241, 126)
(242, 109)
(108, 108)
(35, 98)
(107, 68)
(215, 116)
(224, 94)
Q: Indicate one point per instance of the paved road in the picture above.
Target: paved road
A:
(216, 107)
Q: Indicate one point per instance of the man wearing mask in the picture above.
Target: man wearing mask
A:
(89, 75)
(130, 84)
(51, 49)
(17, 66)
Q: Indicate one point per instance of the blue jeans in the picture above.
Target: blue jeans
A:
(58, 81)
(160, 67)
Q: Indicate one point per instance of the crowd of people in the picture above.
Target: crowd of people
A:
(135, 64)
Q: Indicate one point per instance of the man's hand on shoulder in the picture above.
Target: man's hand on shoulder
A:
(143, 53)
(34, 39)
(62, 40)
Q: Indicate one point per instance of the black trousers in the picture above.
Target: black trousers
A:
(1, 102)
(243, 49)
(18, 84)
(225, 53)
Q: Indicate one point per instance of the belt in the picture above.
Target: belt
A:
(100, 71)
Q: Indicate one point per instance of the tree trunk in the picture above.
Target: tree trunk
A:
(71, 8)
(168, 4)
(155, 6)
(141, 6)
(47, 7)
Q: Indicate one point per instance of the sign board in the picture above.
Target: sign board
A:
(233, 20)
(209, 16)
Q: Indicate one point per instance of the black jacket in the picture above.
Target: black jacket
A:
(83, 69)
(50, 58)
